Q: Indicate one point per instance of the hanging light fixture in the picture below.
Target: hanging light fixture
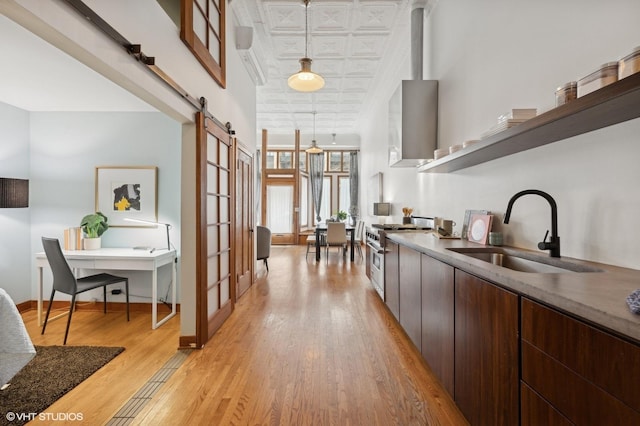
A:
(306, 80)
(314, 148)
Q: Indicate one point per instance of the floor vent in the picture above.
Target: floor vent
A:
(131, 409)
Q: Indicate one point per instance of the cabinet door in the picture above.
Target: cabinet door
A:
(486, 351)
(391, 277)
(410, 294)
(438, 319)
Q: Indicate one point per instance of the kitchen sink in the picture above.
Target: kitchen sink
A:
(523, 261)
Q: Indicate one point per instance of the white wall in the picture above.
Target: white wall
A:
(496, 55)
(66, 147)
(15, 248)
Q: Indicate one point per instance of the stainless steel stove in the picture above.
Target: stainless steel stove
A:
(375, 235)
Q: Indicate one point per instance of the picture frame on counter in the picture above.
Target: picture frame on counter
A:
(479, 228)
(467, 218)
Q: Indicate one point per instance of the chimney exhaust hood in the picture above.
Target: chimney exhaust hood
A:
(413, 123)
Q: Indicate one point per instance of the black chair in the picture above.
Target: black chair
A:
(263, 245)
(65, 282)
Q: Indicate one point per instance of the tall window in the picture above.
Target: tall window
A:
(344, 193)
(203, 30)
(325, 207)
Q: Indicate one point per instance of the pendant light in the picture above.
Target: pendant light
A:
(314, 148)
(306, 80)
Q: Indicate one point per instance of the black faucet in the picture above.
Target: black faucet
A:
(554, 242)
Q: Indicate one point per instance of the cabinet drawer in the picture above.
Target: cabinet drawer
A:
(604, 360)
(535, 411)
(579, 400)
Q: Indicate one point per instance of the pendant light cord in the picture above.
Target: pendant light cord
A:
(306, 27)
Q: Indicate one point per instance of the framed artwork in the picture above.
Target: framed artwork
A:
(127, 193)
(479, 228)
(467, 219)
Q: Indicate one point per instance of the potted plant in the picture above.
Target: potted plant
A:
(93, 225)
(341, 216)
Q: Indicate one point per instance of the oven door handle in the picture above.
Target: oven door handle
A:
(376, 248)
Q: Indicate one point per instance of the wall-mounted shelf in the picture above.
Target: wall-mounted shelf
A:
(604, 107)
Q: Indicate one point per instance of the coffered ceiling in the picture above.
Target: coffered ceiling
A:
(357, 46)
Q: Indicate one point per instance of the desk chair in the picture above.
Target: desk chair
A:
(65, 282)
(336, 237)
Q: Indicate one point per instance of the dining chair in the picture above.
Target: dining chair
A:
(336, 237)
(65, 282)
(358, 237)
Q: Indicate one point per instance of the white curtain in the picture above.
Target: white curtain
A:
(279, 208)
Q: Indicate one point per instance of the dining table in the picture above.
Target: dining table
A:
(321, 228)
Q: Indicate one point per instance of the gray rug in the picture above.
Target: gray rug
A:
(54, 371)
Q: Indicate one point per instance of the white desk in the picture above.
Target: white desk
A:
(122, 259)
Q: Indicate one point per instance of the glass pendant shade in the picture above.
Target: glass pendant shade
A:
(306, 80)
(314, 149)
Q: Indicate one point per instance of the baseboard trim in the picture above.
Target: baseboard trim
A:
(187, 342)
(96, 306)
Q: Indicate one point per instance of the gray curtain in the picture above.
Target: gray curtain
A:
(316, 176)
(354, 208)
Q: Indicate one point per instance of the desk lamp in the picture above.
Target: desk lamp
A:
(149, 222)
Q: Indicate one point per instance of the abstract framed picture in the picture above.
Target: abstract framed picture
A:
(127, 192)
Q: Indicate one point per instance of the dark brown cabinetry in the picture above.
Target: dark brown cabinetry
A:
(391, 278)
(437, 319)
(486, 351)
(410, 299)
(583, 374)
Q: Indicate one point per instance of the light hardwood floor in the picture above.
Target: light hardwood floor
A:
(308, 344)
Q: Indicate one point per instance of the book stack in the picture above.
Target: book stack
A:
(73, 238)
(506, 121)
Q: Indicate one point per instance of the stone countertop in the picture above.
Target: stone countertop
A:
(598, 297)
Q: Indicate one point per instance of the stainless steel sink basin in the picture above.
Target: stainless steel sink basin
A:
(522, 261)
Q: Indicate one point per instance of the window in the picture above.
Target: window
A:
(203, 31)
(335, 161)
(271, 160)
(303, 161)
(344, 194)
(285, 160)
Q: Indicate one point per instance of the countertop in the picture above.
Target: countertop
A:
(598, 297)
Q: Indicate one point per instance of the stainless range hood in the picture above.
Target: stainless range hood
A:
(413, 123)
(413, 108)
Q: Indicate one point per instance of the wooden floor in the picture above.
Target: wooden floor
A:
(308, 344)
(100, 396)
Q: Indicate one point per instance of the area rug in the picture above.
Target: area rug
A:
(54, 371)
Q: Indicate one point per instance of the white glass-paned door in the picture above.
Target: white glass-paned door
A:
(280, 208)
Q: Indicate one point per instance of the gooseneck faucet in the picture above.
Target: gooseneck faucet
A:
(554, 241)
